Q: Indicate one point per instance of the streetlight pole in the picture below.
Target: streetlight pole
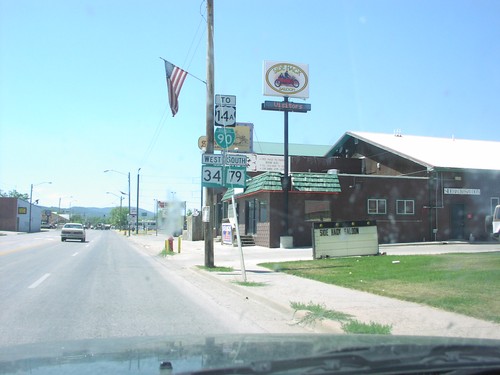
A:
(128, 218)
(137, 214)
(31, 201)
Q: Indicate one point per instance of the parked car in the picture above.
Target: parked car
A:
(73, 231)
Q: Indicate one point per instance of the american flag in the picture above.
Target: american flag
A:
(175, 79)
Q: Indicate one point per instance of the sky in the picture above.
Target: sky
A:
(82, 85)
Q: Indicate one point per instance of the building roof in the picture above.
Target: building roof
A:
(302, 182)
(272, 148)
(432, 152)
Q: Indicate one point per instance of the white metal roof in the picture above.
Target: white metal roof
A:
(437, 152)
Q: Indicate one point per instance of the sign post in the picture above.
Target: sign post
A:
(286, 80)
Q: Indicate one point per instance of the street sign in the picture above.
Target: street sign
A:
(228, 100)
(237, 160)
(225, 137)
(285, 106)
(214, 159)
(211, 175)
(223, 176)
(225, 116)
(235, 177)
(225, 110)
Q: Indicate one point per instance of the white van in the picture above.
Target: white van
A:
(496, 223)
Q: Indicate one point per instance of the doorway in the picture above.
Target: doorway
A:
(458, 221)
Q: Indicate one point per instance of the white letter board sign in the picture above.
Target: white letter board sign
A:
(344, 238)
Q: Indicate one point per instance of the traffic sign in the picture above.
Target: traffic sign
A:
(225, 116)
(235, 177)
(225, 137)
(211, 175)
(223, 176)
(229, 100)
(225, 110)
(237, 160)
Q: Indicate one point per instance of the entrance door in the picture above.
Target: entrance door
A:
(251, 225)
(457, 221)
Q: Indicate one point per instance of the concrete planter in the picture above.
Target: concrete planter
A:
(286, 242)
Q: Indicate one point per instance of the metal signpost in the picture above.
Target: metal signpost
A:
(286, 80)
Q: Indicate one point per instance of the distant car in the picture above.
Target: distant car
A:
(73, 231)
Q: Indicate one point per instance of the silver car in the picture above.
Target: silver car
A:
(73, 231)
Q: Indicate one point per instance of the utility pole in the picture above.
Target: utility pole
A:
(209, 192)
(137, 215)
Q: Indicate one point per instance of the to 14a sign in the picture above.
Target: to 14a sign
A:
(225, 110)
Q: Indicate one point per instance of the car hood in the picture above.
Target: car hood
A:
(180, 354)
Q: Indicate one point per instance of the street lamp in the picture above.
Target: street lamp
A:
(31, 201)
(59, 208)
(112, 170)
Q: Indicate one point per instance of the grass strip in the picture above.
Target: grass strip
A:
(461, 283)
(216, 269)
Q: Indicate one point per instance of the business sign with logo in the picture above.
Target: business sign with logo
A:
(286, 79)
(344, 238)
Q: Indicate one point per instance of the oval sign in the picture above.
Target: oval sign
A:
(286, 79)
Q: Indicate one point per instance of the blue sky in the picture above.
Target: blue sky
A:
(82, 88)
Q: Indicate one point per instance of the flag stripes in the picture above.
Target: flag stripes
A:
(175, 78)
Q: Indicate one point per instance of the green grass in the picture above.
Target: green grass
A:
(319, 312)
(165, 253)
(216, 269)
(250, 283)
(464, 283)
(357, 327)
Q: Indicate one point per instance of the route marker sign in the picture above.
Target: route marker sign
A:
(225, 137)
(225, 110)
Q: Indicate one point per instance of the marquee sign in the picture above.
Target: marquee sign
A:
(286, 79)
(344, 238)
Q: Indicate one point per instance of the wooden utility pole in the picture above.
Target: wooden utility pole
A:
(209, 192)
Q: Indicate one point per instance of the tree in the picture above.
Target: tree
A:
(15, 194)
(118, 217)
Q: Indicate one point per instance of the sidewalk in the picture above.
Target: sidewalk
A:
(280, 289)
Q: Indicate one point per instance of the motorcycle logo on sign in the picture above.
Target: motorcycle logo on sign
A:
(286, 79)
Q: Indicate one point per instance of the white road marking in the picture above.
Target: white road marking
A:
(75, 254)
(39, 281)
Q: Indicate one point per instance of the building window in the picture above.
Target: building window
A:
(263, 212)
(405, 207)
(317, 211)
(377, 206)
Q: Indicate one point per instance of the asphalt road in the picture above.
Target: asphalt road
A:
(57, 291)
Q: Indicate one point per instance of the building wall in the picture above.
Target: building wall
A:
(15, 214)
(8, 214)
(461, 201)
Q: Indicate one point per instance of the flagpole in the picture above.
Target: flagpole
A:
(209, 192)
(192, 75)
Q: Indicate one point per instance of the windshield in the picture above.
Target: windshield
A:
(320, 167)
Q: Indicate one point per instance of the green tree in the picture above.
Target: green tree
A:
(118, 217)
(15, 194)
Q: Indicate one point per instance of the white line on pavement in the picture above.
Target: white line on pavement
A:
(39, 281)
(75, 254)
